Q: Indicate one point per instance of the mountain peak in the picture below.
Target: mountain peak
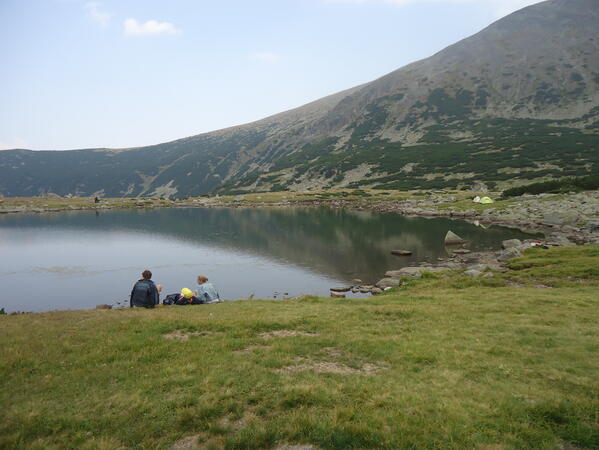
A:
(517, 101)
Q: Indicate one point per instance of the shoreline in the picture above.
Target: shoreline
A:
(565, 218)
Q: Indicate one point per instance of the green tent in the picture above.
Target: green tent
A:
(486, 200)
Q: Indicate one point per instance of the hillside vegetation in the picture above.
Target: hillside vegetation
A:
(556, 186)
(517, 102)
(444, 362)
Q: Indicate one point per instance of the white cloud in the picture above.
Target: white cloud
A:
(500, 7)
(268, 57)
(13, 143)
(94, 11)
(134, 28)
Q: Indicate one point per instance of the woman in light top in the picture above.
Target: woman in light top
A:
(206, 291)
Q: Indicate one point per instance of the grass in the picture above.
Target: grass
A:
(447, 362)
(263, 198)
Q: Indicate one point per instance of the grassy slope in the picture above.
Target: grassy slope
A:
(463, 364)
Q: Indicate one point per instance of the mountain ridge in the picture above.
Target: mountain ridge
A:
(517, 101)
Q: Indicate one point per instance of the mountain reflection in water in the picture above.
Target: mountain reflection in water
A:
(86, 258)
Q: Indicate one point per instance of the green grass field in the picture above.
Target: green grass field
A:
(446, 362)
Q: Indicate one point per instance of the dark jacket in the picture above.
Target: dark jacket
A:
(178, 299)
(144, 294)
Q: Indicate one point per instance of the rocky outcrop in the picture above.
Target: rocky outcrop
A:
(453, 239)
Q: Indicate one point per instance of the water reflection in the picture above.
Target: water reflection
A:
(307, 248)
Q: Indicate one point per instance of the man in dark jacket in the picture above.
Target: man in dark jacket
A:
(145, 293)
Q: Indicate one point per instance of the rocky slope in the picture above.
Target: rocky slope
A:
(517, 101)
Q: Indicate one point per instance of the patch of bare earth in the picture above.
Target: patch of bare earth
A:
(285, 333)
(238, 424)
(186, 443)
(295, 447)
(333, 365)
(250, 349)
(182, 335)
(305, 364)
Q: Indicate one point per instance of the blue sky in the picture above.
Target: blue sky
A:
(122, 73)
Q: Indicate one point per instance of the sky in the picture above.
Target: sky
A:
(125, 73)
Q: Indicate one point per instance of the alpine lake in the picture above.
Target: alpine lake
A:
(79, 259)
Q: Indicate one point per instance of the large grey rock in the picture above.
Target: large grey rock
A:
(559, 240)
(341, 289)
(451, 265)
(480, 187)
(388, 282)
(406, 272)
(508, 254)
(592, 225)
(413, 272)
(560, 218)
(511, 243)
(376, 291)
(453, 239)
(472, 273)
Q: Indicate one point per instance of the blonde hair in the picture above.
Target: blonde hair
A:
(202, 278)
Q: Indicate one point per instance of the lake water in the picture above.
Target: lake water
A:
(80, 259)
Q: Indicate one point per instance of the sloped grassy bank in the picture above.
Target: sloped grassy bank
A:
(445, 362)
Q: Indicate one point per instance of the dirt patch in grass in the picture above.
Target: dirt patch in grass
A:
(333, 352)
(186, 443)
(285, 333)
(182, 335)
(238, 424)
(304, 365)
(295, 447)
(250, 349)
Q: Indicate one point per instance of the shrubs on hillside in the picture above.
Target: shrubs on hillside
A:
(556, 186)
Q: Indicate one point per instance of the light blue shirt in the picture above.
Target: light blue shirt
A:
(207, 292)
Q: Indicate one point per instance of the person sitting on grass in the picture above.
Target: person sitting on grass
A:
(187, 297)
(206, 291)
(145, 293)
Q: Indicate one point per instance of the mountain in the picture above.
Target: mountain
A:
(517, 101)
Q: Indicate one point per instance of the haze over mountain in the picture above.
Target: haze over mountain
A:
(517, 101)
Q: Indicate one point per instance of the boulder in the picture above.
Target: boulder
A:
(480, 187)
(388, 283)
(511, 243)
(337, 294)
(508, 254)
(406, 272)
(451, 265)
(376, 291)
(592, 225)
(341, 289)
(560, 218)
(559, 240)
(453, 239)
(472, 273)
(461, 251)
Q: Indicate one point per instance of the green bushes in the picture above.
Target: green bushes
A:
(556, 186)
